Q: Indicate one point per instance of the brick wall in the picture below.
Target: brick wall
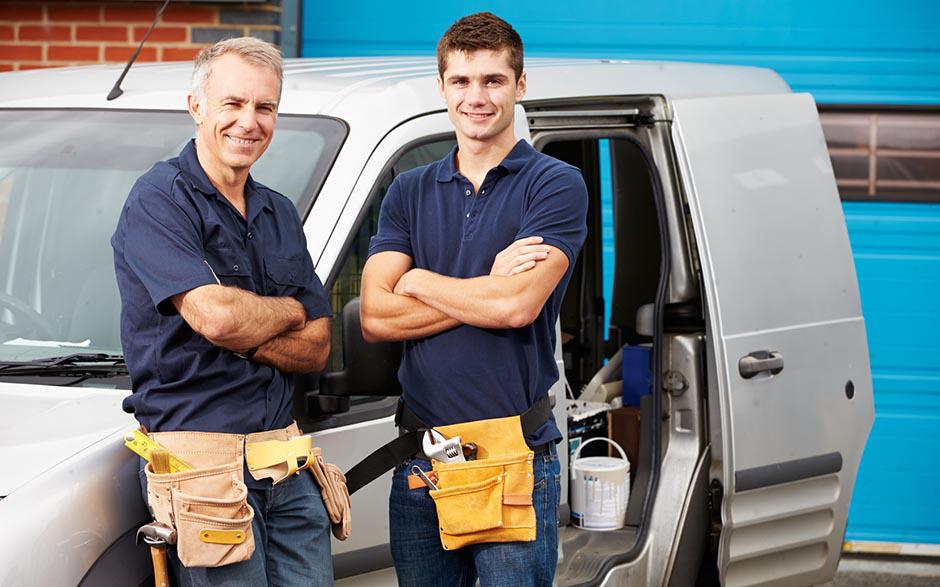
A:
(80, 32)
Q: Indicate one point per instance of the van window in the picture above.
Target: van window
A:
(346, 285)
(64, 176)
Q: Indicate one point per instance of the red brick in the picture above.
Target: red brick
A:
(74, 13)
(174, 54)
(101, 33)
(129, 14)
(45, 33)
(122, 54)
(190, 14)
(6, 33)
(23, 67)
(72, 53)
(162, 34)
(6, 67)
(18, 52)
(20, 12)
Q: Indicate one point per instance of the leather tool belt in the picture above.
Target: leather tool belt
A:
(488, 499)
(208, 503)
(484, 500)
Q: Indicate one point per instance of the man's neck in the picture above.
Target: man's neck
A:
(230, 182)
(476, 158)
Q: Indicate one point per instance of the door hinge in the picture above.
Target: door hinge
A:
(716, 493)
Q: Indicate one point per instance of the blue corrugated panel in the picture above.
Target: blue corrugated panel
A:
(842, 51)
(897, 257)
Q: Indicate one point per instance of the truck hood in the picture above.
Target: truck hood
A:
(42, 426)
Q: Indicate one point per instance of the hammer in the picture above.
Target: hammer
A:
(157, 536)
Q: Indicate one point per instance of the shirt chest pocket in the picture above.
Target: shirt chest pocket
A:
(285, 276)
(230, 267)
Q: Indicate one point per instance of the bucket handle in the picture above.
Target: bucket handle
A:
(577, 453)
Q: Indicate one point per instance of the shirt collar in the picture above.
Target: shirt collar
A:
(514, 161)
(189, 164)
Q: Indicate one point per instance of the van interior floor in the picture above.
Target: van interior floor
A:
(583, 552)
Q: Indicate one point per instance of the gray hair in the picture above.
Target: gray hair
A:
(254, 51)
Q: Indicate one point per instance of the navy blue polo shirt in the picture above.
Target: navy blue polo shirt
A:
(433, 215)
(175, 233)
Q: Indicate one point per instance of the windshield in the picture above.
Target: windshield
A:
(64, 176)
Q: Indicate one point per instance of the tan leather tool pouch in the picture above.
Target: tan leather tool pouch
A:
(332, 484)
(488, 499)
(280, 453)
(208, 504)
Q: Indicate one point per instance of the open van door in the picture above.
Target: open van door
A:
(789, 380)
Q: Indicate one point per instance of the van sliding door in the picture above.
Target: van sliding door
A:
(790, 385)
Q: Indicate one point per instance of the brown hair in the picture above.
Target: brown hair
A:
(483, 30)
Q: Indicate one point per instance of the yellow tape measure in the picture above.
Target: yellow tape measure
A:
(142, 444)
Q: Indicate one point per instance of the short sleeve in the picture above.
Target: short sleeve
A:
(162, 246)
(394, 232)
(313, 295)
(557, 212)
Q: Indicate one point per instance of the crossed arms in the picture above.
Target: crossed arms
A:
(239, 320)
(403, 303)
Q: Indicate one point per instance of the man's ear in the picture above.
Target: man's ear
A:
(520, 87)
(440, 88)
(195, 108)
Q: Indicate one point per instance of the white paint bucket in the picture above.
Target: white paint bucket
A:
(600, 488)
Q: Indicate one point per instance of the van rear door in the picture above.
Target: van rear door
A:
(789, 380)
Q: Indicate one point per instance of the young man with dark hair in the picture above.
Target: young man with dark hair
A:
(469, 266)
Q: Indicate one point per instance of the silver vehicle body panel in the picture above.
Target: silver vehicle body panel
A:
(778, 276)
(68, 511)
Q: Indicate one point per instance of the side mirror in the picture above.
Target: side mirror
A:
(370, 369)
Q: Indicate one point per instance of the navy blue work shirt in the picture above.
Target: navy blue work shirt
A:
(433, 215)
(176, 233)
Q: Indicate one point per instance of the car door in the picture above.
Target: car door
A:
(789, 380)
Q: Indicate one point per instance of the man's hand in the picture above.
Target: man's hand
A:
(237, 319)
(298, 351)
(520, 256)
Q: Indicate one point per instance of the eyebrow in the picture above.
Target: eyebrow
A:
(240, 100)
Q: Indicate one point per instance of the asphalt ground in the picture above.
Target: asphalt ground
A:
(871, 570)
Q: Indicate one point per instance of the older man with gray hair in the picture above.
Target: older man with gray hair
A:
(220, 307)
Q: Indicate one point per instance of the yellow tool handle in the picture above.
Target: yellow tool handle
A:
(142, 444)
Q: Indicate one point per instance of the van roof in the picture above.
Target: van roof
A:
(400, 87)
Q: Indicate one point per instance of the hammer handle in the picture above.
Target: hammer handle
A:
(160, 576)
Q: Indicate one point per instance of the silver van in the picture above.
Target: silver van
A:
(731, 261)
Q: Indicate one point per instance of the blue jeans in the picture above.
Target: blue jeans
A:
(421, 560)
(292, 540)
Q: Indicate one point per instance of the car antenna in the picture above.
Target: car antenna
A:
(116, 91)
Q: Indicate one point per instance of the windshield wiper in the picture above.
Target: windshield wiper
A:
(88, 364)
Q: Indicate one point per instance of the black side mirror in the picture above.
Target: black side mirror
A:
(370, 369)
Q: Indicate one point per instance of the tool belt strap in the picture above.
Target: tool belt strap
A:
(407, 445)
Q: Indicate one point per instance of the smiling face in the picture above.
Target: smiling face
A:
(481, 90)
(235, 120)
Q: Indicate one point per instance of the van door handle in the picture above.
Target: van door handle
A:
(760, 362)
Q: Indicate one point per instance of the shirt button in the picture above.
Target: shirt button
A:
(234, 267)
(482, 192)
(468, 215)
(467, 192)
(250, 236)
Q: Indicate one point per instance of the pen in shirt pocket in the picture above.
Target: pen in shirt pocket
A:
(213, 272)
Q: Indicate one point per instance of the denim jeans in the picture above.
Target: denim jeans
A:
(421, 560)
(292, 540)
